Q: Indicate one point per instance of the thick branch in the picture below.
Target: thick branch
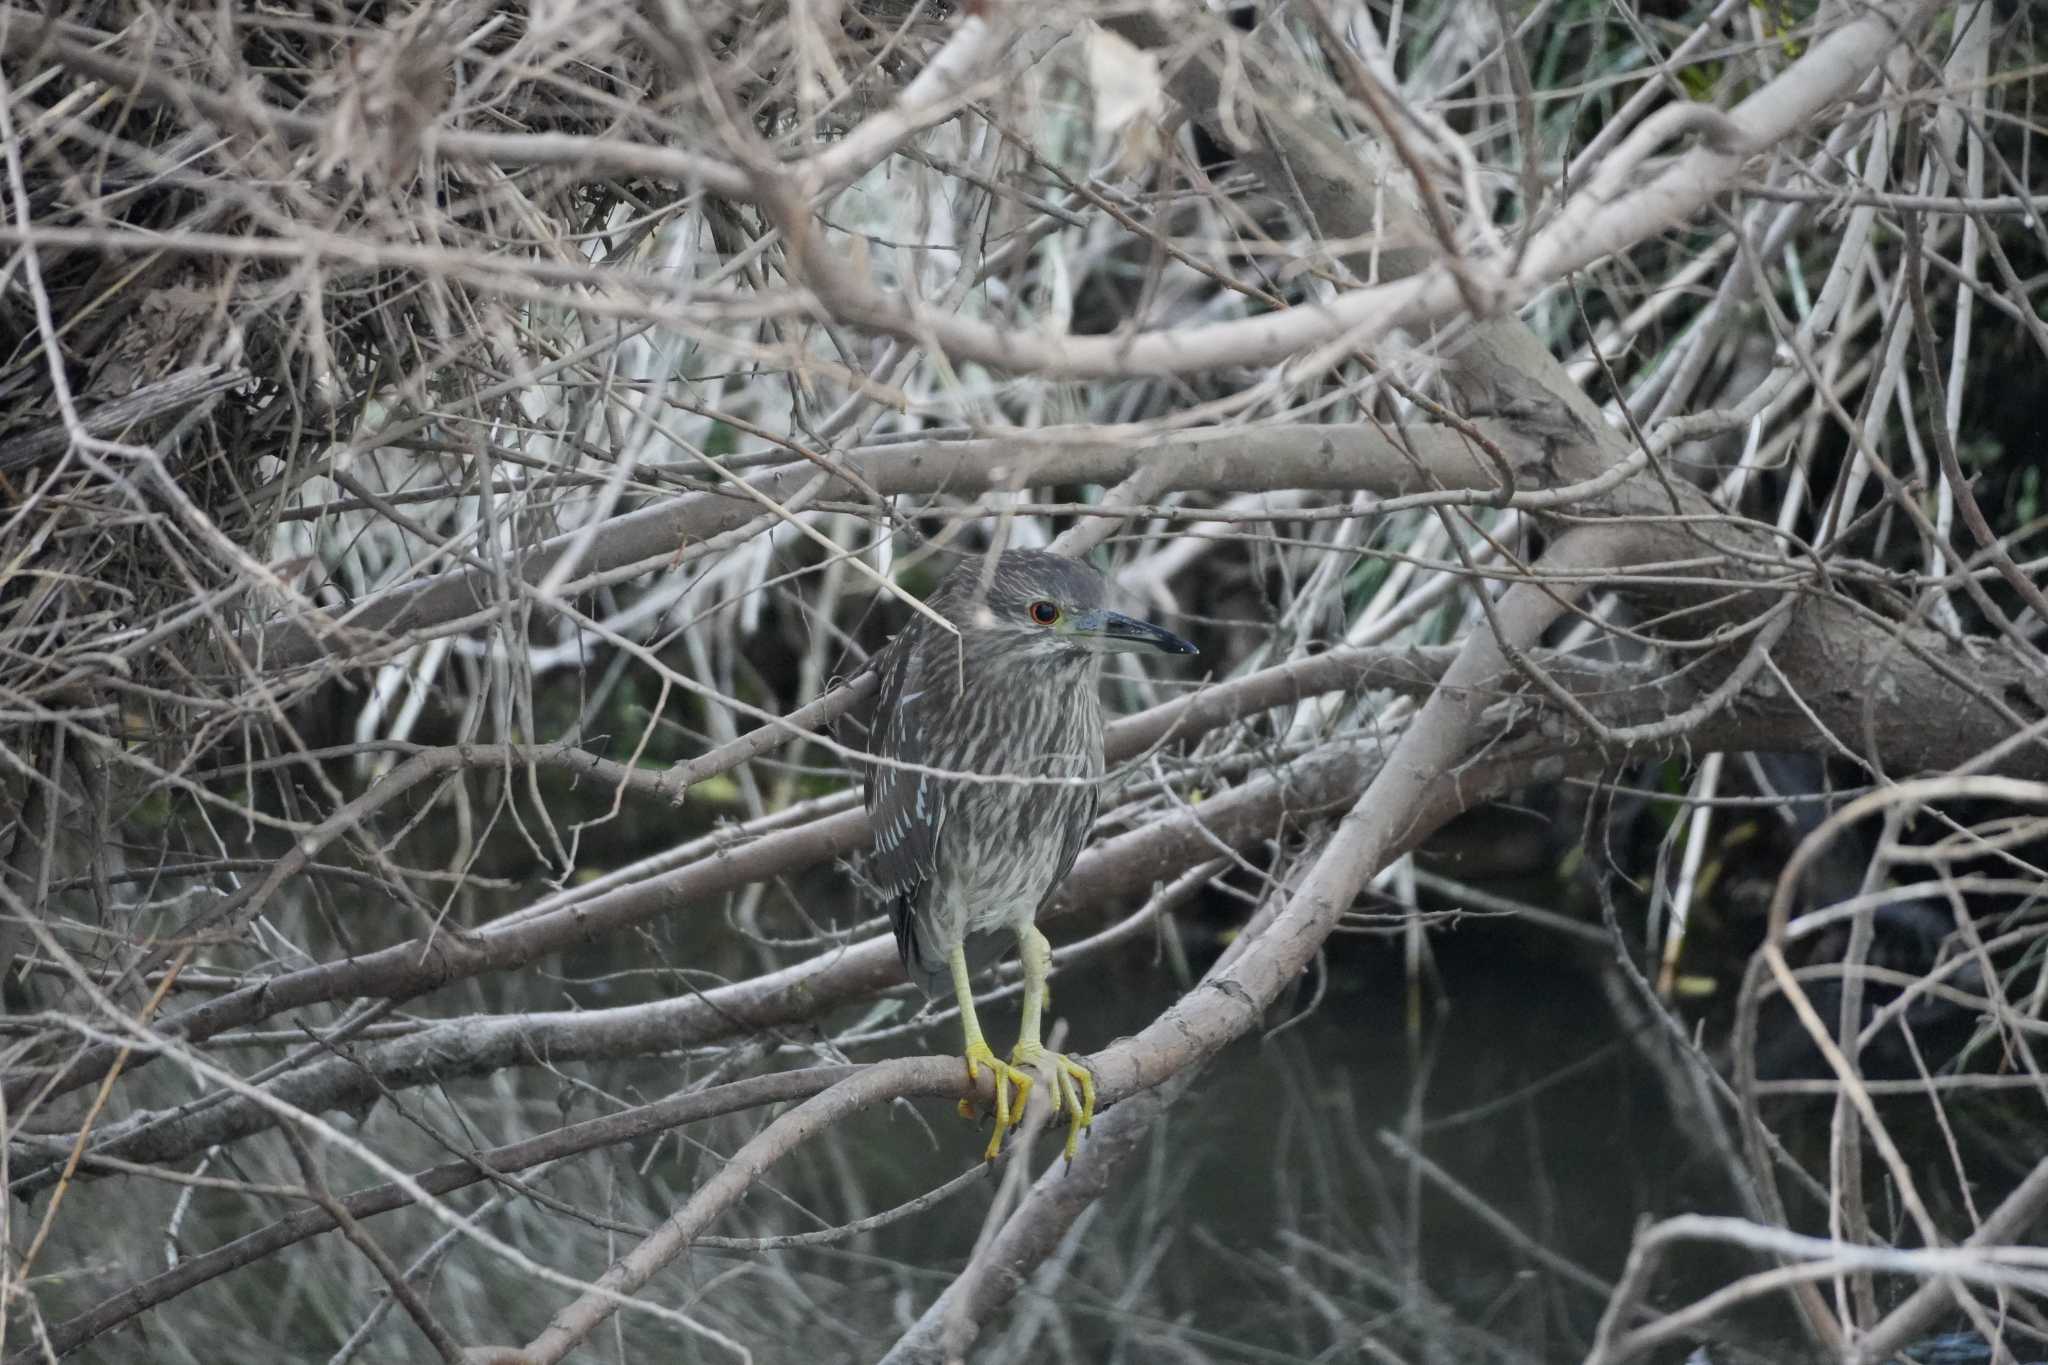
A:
(1223, 461)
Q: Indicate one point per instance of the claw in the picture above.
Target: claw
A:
(1073, 1089)
(1009, 1113)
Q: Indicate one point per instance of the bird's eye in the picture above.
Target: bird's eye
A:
(1045, 613)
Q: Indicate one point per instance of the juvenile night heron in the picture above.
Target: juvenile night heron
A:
(966, 859)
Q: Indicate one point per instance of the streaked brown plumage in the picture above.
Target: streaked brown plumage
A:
(963, 859)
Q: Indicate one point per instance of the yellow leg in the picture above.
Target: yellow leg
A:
(1073, 1084)
(1008, 1077)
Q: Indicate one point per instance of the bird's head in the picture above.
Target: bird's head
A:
(1030, 604)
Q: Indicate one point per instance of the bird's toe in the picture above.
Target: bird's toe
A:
(1073, 1088)
(1013, 1088)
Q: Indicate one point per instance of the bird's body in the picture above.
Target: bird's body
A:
(969, 854)
(1030, 833)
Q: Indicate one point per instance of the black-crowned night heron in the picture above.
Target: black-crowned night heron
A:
(966, 859)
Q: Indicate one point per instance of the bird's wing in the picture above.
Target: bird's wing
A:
(906, 810)
(1072, 842)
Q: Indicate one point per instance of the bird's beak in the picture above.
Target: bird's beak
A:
(1112, 632)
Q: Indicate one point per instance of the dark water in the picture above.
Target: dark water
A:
(1514, 1084)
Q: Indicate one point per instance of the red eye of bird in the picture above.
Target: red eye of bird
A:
(1045, 613)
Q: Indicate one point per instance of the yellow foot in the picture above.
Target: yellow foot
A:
(1073, 1088)
(1009, 1111)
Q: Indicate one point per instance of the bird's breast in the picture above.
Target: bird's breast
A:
(1005, 837)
